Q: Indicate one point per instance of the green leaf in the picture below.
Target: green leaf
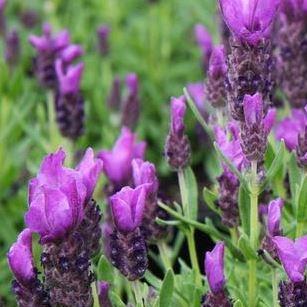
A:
(275, 165)
(294, 175)
(115, 299)
(245, 247)
(105, 270)
(244, 208)
(238, 303)
(302, 201)
(167, 289)
(192, 192)
(210, 198)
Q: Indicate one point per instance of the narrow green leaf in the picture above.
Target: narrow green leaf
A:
(167, 289)
(302, 201)
(244, 208)
(275, 165)
(105, 270)
(294, 175)
(210, 198)
(238, 303)
(115, 299)
(192, 192)
(245, 248)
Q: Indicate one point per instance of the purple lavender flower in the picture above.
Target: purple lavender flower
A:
(231, 147)
(28, 289)
(48, 48)
(58, 195)
(12, 48)
(217, 72)
(128, 208)
(177, 147)
(70, 53)
(103, 33)
(127, 244)
(114, 99)
(290, 128)
(249, 20)
(117, 162)
(228, 198)
(103, 294)
(69, 102)
(274, 217)
(20, 258)
(204, 42)
(255, 129)
(214, 268)
(293, 256)
(197, 92)
(131, 104)
(144, 173)
(29, 18)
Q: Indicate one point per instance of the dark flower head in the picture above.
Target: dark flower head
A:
(57, 195)
(103, 33)
(293, 256)
(128, 207)
(214, 268)
(249, 20)
(117, 162)
(20, 258)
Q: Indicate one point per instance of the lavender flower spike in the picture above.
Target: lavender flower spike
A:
(131, 104)
(249, 20)
(177, 147)
(12, 48)
(217, 72)
(127, 244)
(117, 162)
(103, 33)
(114, 99)
(256, 127)
(27, 287)
(128, 208)
(69, 101)
(214, 267)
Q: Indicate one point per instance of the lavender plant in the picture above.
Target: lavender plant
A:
(140, 244)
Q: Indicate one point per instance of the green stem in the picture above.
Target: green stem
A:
(275, 287)
(137, 293)
(254, 207)
(254, 190)
(164, 255)
(183, 193)
(190, 230)
(299, 229)
(252, 282)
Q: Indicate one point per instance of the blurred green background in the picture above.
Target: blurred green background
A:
(152, 38)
